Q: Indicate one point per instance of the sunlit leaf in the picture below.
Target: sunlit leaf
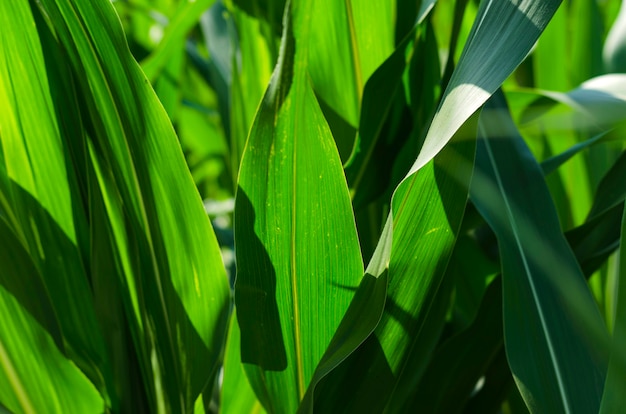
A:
(298, 258)
(502, 35)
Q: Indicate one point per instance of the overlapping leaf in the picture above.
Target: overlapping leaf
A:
(501, 37)
(111, 198)
(549, 314)
(351, 38)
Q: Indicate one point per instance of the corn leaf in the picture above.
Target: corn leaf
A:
(502, 35)
(549, 314)
(251, 74)
(131, 176)
(459, 362)
(297, 250)
(350, 39)
(614, 398)
(237, 395)
(427, 210)
(38, 202)
(370, 159)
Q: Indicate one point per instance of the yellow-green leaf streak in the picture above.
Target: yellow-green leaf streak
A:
(354, 46)
(294, 273)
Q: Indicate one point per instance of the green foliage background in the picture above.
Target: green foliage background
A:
(312, 206)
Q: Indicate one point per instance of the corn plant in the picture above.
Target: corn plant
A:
(312, 206)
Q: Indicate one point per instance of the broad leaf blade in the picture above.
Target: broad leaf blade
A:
(237, 396)
(549, 314)
(167, 260)
(35, 376)
(297, 250)
(37, 185)
(350, 39)
(614, 398)
(427, 211)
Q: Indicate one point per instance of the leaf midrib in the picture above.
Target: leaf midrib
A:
(511, 217)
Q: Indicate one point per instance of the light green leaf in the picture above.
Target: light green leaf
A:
(359, 321)
(297, 250)
(597, 104)
(549, 49)
(37, 186)
(550, 317)
(237, 395)
(349, 40)
(166, 257)
(586, 40)
(35, 376)
(367, 170)
(251, 74)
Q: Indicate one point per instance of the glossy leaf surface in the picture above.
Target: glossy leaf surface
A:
(548, 308)
(297, 250)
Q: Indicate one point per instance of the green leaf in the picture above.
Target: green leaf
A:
(550, 316)
(297, 250)
(185, 18)
(549, 49)
(586, 40)
(34, 375)
(551, 164)
(614, 398)
(251, 74)
(237, 395)
(367, 170)
(597, 104)
(167, 261)
(38, 201)
(360, 319)
(427, 211)
(611, 191)
(502, 35)
(349, 40)
(459, 362)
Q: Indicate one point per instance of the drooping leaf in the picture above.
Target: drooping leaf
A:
(502, 35)
(549, 314)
